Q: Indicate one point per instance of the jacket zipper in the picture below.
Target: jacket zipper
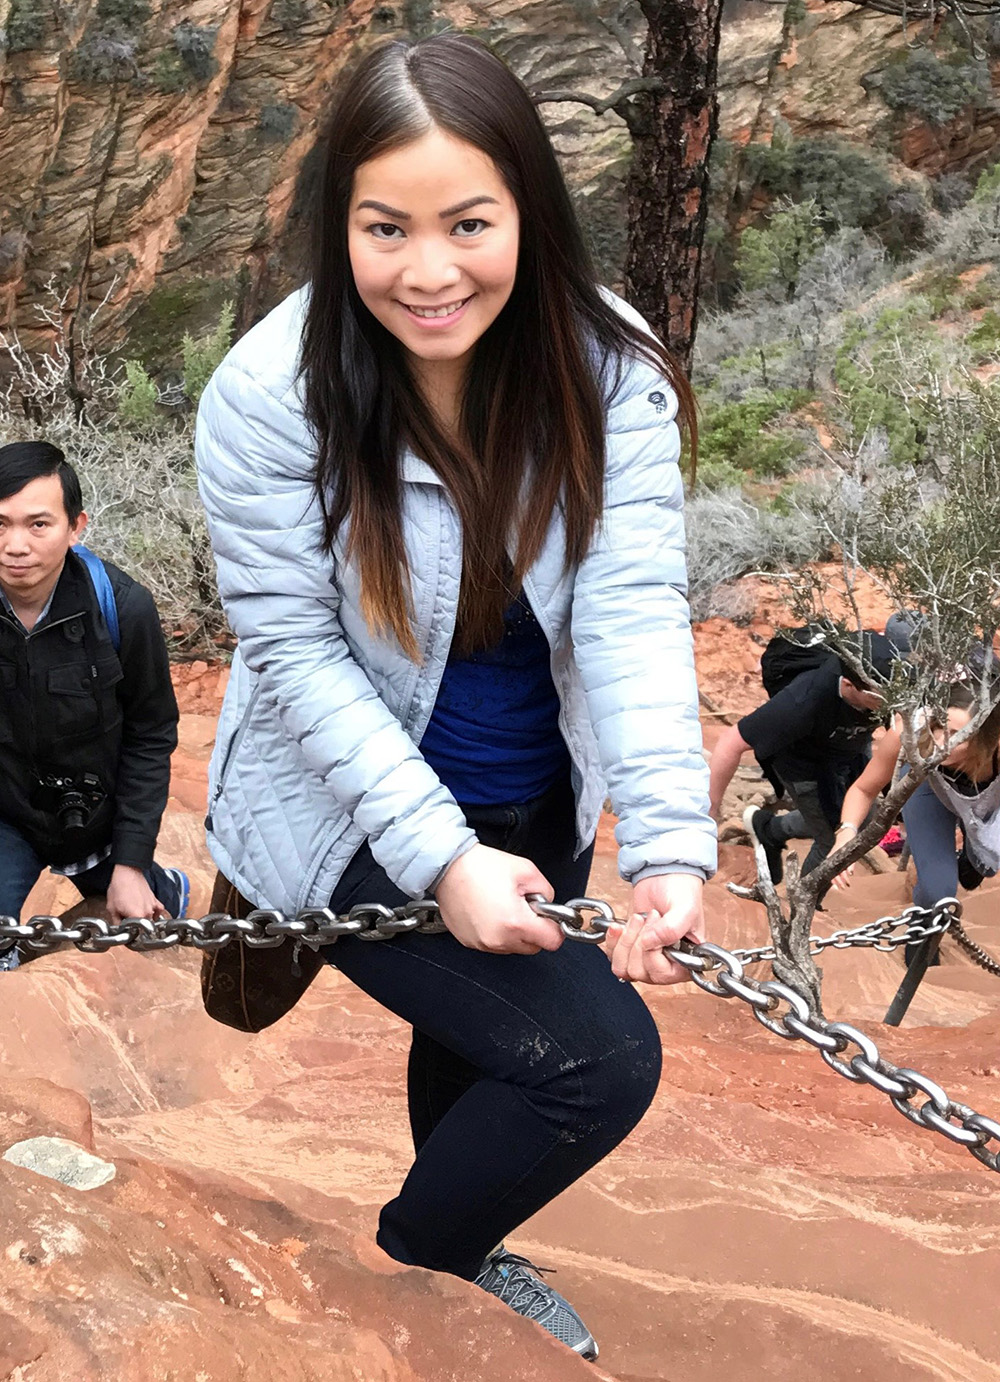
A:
(234, 743)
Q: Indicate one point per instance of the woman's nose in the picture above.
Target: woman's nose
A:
(430, 267)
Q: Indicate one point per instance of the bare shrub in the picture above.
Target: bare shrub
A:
(728, 536)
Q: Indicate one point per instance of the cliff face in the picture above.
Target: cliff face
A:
(159, 153)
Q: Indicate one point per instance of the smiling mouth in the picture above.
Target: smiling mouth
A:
(436, 313)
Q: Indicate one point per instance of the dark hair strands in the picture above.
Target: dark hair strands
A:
(532, 424)
(24, 461)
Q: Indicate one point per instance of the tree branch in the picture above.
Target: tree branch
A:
(620, 100)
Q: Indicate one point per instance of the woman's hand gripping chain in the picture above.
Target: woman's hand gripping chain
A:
(665, 909)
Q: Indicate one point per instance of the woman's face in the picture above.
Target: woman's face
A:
(957, 719)
(433, 240)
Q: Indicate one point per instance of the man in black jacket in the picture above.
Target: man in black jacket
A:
(86, 728)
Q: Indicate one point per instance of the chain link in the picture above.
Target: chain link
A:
(776, 1006)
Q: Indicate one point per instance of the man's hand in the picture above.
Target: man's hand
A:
(482, 903)
(664, 909)
(129, 895)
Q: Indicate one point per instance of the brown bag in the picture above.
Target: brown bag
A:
(246, 988)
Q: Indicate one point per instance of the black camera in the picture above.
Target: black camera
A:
(74, 801)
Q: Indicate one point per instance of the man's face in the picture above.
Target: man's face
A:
(35, 535)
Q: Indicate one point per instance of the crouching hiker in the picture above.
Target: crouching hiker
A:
(812, 739)
(88, 718)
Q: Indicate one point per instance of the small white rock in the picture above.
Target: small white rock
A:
(61, 1160)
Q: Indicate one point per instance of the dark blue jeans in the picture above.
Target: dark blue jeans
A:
(524, 1070)
(930, 830)
(20, 867)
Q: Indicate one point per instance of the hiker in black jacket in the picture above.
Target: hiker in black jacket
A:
(812, 739)
(88, 718)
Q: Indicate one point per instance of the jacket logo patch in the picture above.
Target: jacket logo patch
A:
(659, 401)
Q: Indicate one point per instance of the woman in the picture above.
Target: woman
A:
(963, 791)
(443, 493)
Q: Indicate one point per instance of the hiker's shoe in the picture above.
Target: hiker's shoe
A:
(516, 1282)
(182, 883)
(9, 959)
(754, 820)
(968, 875)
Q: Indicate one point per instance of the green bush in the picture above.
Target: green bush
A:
(772, 258)
(138, 398)
(988, 184)
(202, 357)
(982, 294)
(874, 356)
(983, 341)
(735, 443)
(933, 89)
(25, 25)
(848, 186)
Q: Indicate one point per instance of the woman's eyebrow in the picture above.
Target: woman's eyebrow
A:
(370, 205)
(467, 206)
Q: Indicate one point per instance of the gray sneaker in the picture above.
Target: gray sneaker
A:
(9, 959)
(516, 1282)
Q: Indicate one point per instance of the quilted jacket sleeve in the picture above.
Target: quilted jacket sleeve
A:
(254, 458)
(633, 644)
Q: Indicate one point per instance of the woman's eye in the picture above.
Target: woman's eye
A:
(385, 230)
(470, 227)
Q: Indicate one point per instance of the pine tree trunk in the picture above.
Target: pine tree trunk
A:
(668, 183)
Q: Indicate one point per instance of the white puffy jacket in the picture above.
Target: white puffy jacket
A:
(317, 741)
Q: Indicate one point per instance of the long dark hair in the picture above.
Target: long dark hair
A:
(537, 385)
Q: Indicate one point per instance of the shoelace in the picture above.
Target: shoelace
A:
(521, 1290)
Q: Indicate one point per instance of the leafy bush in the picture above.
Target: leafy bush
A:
(972, 234)
(883, 373)
(203, 357)
(25, 25)
(983, 341)
(848, 186)
(988, 184)
(138, 397)
(935, 90)
(771, 259)
(276, 123)
(735, 442)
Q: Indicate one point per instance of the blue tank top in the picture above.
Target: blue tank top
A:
(493, 736)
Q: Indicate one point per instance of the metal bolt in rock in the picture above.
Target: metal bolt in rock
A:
(778, 1007)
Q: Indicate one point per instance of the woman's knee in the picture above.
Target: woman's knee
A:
(610, 1089)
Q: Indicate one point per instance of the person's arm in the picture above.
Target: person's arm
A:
(860, 797)
(632, 641)
(255, 459)
(149, 732)
(729, 749)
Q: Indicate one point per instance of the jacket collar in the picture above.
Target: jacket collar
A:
(417, 471)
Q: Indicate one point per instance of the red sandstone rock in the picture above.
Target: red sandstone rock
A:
(767, 1219)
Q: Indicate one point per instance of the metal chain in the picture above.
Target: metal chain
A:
(588, 920)
(886, 934)
(975, 952)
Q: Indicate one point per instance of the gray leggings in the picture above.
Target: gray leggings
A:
(930, 830)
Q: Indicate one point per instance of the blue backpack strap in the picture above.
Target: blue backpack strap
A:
(102, 588)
